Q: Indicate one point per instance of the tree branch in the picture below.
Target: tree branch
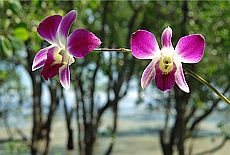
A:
(215, 148)
(207, 112)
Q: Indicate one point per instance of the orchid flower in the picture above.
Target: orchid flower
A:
(57, 57)
(166, 64)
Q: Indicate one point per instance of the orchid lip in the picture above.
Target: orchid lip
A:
(165, 81)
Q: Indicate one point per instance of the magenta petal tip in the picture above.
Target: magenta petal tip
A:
(40, 59)
(64, 74)
(86, 42)
(65, 25)
(143, 44)
(180, 79)
(190, 48)
(47, 29)
(166, 38)
(148, 75)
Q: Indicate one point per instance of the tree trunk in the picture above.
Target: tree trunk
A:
(47, 126)
(68, 116)
(181, 104)
(113, 134)
(89, 139)
(70, 144)
(37, 109)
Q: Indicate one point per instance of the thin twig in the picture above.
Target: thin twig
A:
(112, 50)
(218, 147)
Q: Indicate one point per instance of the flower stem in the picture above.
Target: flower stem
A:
(113, 50)
(203, 81)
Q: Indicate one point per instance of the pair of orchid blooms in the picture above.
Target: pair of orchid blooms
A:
(165, 67)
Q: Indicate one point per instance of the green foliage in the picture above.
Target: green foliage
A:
(15, 6)
(9, 44)
(212, 20)
(21, 33)
(16, 43)
(16, 148)
(6, 46)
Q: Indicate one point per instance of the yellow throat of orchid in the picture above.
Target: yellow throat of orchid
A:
(63, 57)
(57, 57)
(166, 64)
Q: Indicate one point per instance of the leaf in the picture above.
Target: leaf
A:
(16, 43)
(35, 2)
(16, 5)
(3, 75)
(6, 23)
(1, 4)
(6, 46)
(21, 33)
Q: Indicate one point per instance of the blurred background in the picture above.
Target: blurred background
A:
(106, 111)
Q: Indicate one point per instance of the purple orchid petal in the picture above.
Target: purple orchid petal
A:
(190, 49)
(50, 70)
(180, 79)
(65, 25)
(65, 76)
(52, 64)
(144, 44)
(81, 42)
(166, 38)
(148, 74)
(40, 58)
(47, 29)
(164, 82)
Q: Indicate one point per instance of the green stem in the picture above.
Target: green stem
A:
(203, 81)
(197, 77)
(113, 50)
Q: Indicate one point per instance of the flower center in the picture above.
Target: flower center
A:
(166, 64)
(66, 58)
(57, 58)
